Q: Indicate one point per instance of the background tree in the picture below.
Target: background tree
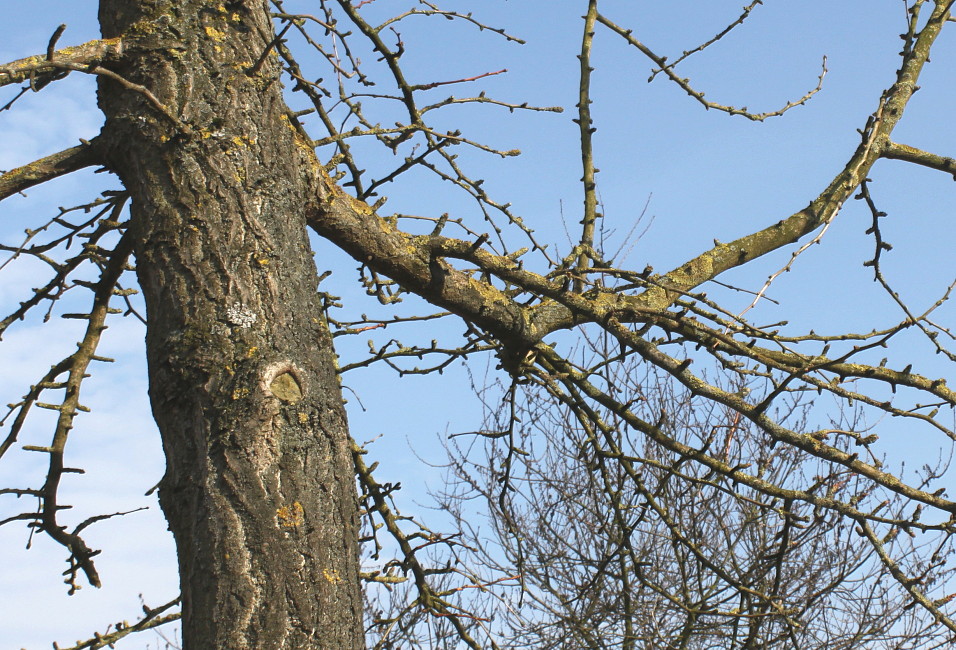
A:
(652, 551)
(221, 180)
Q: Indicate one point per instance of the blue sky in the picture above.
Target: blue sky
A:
(704, 175)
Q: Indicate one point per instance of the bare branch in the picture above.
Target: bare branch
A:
(684, 83)
(825, 207)
(586, 128)
(745, 14)
(46, 169)
(153, 617)
(895, 151)
(42, 67)
(76, 365)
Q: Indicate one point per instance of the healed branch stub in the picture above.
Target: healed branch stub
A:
(259, 486)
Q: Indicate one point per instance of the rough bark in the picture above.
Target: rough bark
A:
(259, 488)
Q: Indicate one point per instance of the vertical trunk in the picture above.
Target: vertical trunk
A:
(259, 489)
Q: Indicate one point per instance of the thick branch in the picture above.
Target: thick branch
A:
(46, 169)
(408, 260)
(41, 68)
(895, 151)
(416, 264)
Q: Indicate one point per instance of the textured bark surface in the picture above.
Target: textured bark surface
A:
(259, 488)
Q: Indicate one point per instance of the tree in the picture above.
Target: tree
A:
(656, 552)
(220, 185)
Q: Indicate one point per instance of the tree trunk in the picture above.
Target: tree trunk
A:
(259, 486)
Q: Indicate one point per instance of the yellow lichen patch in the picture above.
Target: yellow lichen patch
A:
(234, 16)
(239, 393)
(251, 352)
(303, 417)
(285, 119)
(291, 516)
(299, 140)
(214, 33)
(242, 141)
(332, 575)
(141, 28)
(302, 143)
(263, 261)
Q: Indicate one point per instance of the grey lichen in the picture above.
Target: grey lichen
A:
(241, 316)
